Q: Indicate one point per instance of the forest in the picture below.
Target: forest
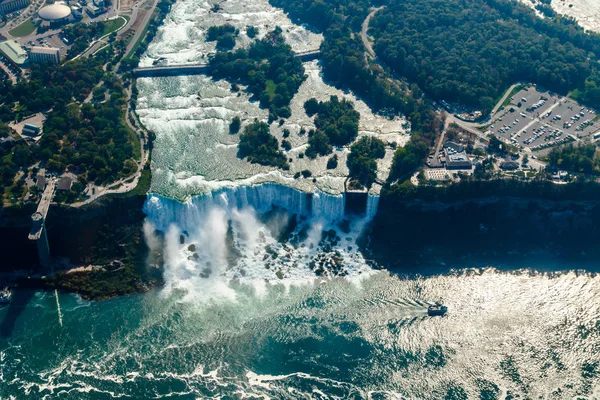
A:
(344, 64)
(362, 161)
(469, 52)
(80, 35)
(269, 68)
(260, 147)
(89, 139)
(577, 159)
(336, 122)
(463, 50)
(224, 35)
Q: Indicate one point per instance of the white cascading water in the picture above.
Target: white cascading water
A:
(236, 234)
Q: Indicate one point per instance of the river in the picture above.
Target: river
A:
(507, 335)
(261, 303)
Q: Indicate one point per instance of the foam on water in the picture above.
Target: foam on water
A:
(181, 39)
(523, 334)
(252, 235)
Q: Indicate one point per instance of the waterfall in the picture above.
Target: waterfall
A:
(229, 234)
(328, 207)
(372, 204)
(164, 211)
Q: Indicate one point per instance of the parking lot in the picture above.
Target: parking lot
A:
(50, 41)
(538, 121)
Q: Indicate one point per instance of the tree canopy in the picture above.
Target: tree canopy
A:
(260, 147)
(269, 68)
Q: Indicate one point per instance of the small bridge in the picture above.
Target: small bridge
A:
(195, 69)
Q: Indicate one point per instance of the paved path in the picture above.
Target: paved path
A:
(142, 28)
(363, 33)
(127, 183)
(435, 162)
(499, 104)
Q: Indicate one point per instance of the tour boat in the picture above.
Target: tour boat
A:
(436, 309)
(5, 296)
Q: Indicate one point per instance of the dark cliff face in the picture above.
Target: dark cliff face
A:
(73, 233)
(411, 237)
(428, 237)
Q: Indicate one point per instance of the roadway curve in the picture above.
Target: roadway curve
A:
(363, 33)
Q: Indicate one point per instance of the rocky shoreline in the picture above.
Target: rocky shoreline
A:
(98, 250)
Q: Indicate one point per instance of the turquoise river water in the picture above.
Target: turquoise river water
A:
(507, 335)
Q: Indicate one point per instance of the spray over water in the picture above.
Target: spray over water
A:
(212, 243)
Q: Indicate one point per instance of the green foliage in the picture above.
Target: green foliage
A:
(89, 140)
(214, 33)
(332, 163)
(362, 161)
(226, 42)
(99, 93)
(80, 35)
(318, 145)
(408, 158)
(251, 31)
(338, 120)
(578, 159)
(311, 106)
(336, 123)
(260, 147)
(471, 51)
(234, 126)
(287, 146)
(306, 173)
(50, 86)
(269, 68)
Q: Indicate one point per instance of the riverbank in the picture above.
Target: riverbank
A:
(433, 237)
(98, 250)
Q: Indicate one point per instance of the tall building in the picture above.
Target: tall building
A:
(7, 6)
(44, 54)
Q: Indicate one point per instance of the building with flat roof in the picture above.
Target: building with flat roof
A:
(44, 54)
(31, 130)
(509, 165)
(8, 6)
(457, 160)
(14, 51)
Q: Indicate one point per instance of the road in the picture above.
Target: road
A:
(363, 33)
(26, 13)
(499, 104)
(11, 76)
(142, 29)
(127, 183)
(436, 157)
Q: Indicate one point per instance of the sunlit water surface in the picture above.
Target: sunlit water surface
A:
(521, 334)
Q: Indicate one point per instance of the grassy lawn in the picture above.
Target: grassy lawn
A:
(114, 24)
(26, 28)
(271, 89)
(516, 90)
